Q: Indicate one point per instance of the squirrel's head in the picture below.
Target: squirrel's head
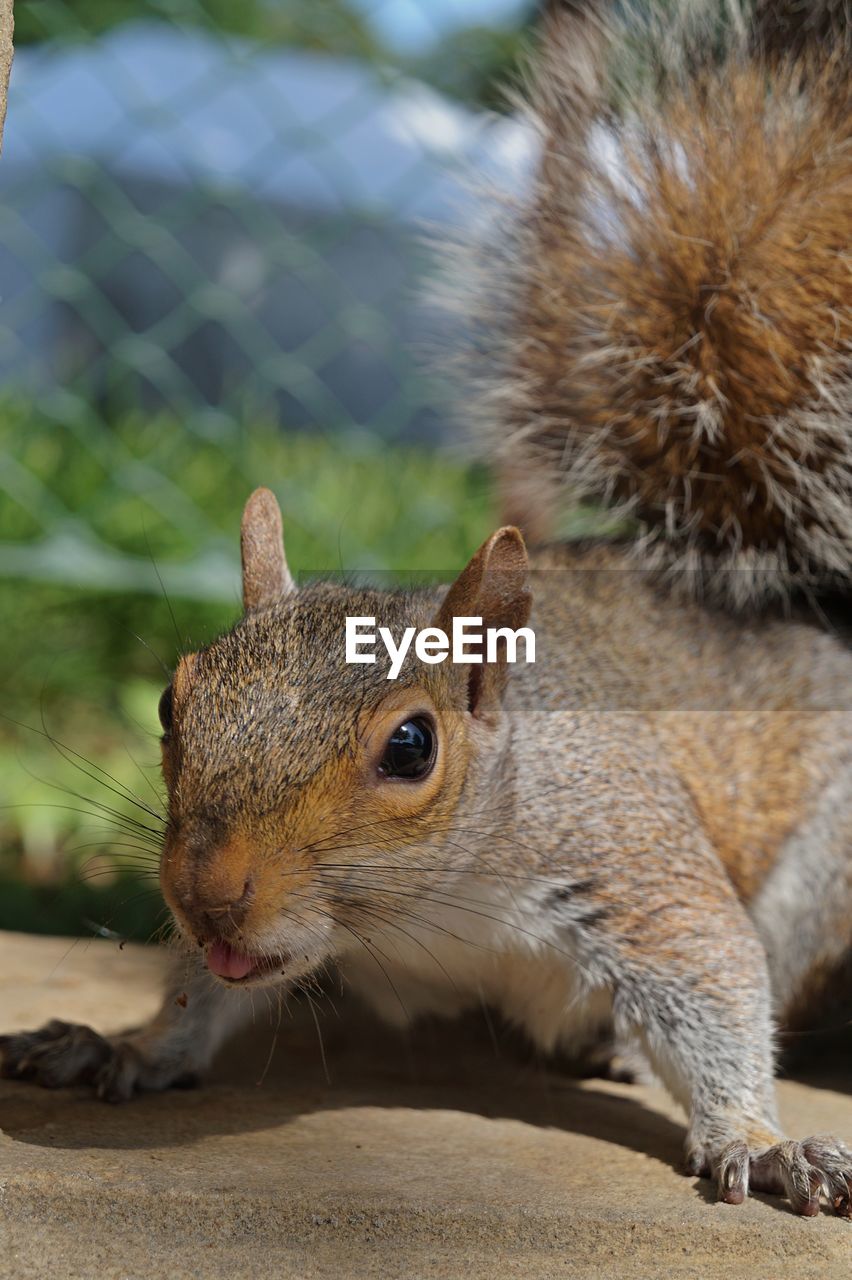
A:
(313, 801)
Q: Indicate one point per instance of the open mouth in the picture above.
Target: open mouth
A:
(239, 966)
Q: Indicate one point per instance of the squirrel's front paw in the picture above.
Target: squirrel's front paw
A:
(801, 1171)
(64, 1053)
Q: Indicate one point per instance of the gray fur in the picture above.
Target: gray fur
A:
(602, 76)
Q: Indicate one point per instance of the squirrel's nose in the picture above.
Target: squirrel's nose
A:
(218, 917)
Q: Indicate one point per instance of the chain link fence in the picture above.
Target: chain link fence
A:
(212, 218)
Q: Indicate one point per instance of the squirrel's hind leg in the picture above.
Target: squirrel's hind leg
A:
(803, 914)
(197, 1015)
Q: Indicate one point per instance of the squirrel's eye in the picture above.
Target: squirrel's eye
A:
(410, 752)
(164, 710)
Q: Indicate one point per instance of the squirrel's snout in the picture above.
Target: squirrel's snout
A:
(228, 887)
(213, 917)
(210, 890)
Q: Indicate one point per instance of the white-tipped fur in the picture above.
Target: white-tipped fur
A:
(738, 498)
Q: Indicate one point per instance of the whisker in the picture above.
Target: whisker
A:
(104, 808)
(434, 927)
(127, 825)
(368, 948)
(319, 1037)
(158, 934)
(272, 1048)
(449, 869)
(138, 853)
(449, 901)
(70, 756)
(489, 810)
(181, 641)
(154, 792)
(111, 877)
(411, 937)
(153, 652)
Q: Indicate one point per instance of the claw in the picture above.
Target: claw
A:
(696, 1165)
(801, 1171)
(63, 1053)
(733, 1172)
(58, 1055)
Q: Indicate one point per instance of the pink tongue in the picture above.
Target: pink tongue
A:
(225, 962)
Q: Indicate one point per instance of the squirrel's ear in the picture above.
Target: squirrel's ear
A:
(266, 577)
(493, 587)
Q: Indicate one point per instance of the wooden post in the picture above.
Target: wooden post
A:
(6, 25)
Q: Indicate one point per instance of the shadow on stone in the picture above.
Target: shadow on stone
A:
(262, 1080)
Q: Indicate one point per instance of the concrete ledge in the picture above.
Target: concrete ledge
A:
(431, 1155)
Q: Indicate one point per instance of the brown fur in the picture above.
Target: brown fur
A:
(746, 722)
(647, 832)
(673, 331)
(265, 573)
(270, 671)
(746, 717)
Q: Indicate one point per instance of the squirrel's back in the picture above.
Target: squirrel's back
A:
(751, 712)
(664, 325)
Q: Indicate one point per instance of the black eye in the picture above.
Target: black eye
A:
(410, 752)
(164, 710)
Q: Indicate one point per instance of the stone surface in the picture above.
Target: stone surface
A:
(440, 1154)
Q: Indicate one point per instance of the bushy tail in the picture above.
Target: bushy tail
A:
(791, 28)
(665, 325)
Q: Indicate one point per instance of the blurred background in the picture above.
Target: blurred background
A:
(212, 270)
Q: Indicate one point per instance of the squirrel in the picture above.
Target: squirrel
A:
(647, 833)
